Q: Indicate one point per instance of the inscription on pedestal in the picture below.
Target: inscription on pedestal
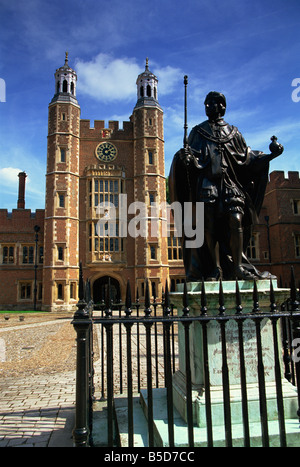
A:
(232, 348)
(232, 336)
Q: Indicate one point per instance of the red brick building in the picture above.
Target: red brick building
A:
(90, 170)
(18, 253)
(275, 244)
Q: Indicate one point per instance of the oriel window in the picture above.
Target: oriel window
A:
(174, 248)
(104, 238)
(106, 192)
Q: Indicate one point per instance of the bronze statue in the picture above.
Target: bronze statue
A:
(217, 168)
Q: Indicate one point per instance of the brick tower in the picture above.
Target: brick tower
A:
(61, 231)
(151, 253)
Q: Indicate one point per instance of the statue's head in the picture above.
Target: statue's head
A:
(215, 103)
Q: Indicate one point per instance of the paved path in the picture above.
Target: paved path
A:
(37, 410)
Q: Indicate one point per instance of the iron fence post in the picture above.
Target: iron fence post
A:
(225, 369)
(260, 371)
(296, 332)
(128, 326)
(82, 324)
(188, 374)
(168, 368)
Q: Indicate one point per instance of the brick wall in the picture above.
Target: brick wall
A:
(284, 225)
(17, 232)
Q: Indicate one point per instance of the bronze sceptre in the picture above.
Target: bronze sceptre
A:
(185, 126)
(185, 138)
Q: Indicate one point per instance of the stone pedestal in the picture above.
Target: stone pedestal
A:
(233, 359)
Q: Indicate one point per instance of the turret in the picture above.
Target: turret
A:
(147, 88)
(65, 83)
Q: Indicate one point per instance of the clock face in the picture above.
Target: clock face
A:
(106, 152)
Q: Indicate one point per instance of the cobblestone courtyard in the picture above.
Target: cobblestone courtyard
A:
(38, 375)
(37, 380)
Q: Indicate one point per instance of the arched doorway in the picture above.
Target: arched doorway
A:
(100, 287)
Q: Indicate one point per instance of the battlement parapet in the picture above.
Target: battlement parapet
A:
(112, 132)
(277, 179)
(21, 219)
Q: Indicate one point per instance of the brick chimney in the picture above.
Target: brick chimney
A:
(21, 200)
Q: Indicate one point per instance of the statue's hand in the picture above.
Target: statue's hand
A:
(275, 148)
(185, 155)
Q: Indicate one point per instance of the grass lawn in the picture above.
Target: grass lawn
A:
(20, 311)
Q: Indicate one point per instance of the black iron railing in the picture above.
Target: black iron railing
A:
(147, 342)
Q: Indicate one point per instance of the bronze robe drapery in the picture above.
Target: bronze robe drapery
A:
(221, 163)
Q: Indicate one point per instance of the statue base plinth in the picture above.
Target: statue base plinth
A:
(233, 354)
(217, 404)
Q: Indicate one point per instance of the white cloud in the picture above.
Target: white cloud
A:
(108, 79)
(111, 79)
(169, 78)
(9, 176)
(34, 190)
(8, 187)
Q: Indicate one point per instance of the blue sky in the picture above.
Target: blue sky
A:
(249, 50)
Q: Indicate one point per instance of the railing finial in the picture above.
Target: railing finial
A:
(238, 300)
(273, 305)
(108, 310)
(81, 311)
(221, 298)
(294, 301)
(256, 308)
(128, 299)
(81, 283)
(185, 300)
(147, 300)
(203, 299)
(166, 307)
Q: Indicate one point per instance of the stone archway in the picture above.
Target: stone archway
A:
(100, 286)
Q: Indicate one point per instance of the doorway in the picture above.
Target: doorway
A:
(100, 287)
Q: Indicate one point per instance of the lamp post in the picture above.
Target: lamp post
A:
(36, 229)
